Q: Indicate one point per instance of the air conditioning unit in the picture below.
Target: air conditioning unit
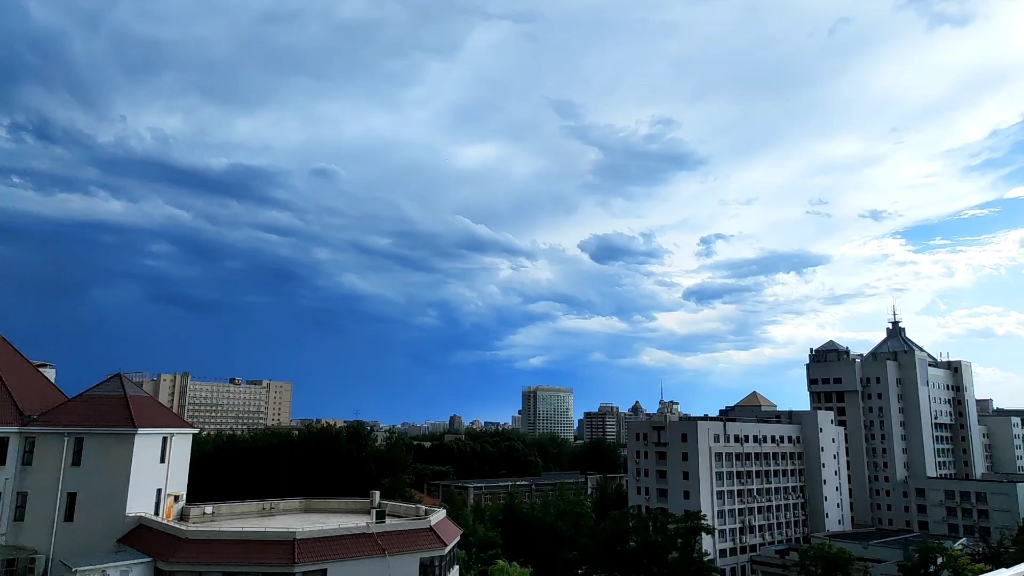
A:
(35, 565)
(379, 515)
(789, 533)
(769, 517)
(743, 539)
(750, 521)
(740, 501)
(768, 498)
(786, 496)
(761, 499)
(733, 540)
(788, 516)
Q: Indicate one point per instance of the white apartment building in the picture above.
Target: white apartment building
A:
(1002, 444)
(761, 476)
(97, 483)
(221, 403)
(607, 423)
(548, 410)
(913, 430)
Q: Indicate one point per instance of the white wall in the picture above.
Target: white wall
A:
(140, 568)
(148, 474)
(101, 483)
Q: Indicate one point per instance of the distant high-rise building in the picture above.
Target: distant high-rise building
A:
(548, 410)
(607, 423)
(517, 420)
(636, 412)
(221, 403)
(48, 370)
(476, 425)
(455, 424)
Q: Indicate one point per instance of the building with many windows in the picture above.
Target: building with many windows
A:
(548, 410)
(607, 423)
(221, 403)
(97, 483)
(916, 439)
(761, 476)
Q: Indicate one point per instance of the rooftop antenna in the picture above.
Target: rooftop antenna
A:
(662, 389)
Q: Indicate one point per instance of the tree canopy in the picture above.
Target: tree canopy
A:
(281, 463)
(826, 559)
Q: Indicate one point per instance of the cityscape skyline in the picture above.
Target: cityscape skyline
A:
(579, 412)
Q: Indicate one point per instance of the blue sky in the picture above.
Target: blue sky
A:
(412, 209)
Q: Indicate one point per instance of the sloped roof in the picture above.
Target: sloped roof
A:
(896, 340)
(167, 547)
(830, 345)
(755, 399)
(116, 402)
(24, 390)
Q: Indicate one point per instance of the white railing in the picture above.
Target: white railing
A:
(1017, 570)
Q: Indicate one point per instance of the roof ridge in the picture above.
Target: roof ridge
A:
(128, 400)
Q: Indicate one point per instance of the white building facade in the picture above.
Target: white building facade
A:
(548, 410)
(760, 476)
(914, 434)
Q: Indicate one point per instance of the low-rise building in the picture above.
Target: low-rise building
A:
(761, 476)
(878, 552)
(98, 483)
(489, 491)
(311, 537)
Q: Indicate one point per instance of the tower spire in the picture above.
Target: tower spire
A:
(662, 389)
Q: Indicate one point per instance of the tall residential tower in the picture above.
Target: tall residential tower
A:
(548, 410)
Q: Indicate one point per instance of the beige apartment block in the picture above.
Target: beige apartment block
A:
(221, 403)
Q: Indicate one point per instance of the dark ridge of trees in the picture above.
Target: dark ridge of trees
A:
(347, 461)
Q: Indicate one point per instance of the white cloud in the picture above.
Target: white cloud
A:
(1006, 388)
(448, 128)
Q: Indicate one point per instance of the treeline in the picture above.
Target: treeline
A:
(595, 535)
(348, 461)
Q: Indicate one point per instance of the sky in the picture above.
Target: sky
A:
(412, 209)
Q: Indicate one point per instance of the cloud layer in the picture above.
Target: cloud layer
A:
(564, 191)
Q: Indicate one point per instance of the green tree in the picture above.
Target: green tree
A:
(825, 559)
(935, 558)
(664, 543)
(1006, 551)
(502, 568)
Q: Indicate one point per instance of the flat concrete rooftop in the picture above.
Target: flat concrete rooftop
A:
(299, 515)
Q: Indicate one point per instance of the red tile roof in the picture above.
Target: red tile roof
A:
(166, 547)
(24, 390)
(448, 531)
(116, 402)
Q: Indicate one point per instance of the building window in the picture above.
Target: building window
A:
(20, 504)
(686, 494)
(69, 506)
(157, 502)
(686, 456)
(76, 452)
(28, 451)
(163, 450)
(686, 475)
(683, 437)
(5, 444)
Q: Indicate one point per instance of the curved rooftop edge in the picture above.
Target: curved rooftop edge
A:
(292, 531)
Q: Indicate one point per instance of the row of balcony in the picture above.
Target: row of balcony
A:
(767, 536)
